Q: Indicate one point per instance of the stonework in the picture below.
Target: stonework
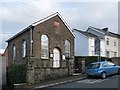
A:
(42, 69)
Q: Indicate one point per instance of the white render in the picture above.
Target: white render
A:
(102, 44)
(85, 43)
(81, 44)
(85, 46)
(111, 48)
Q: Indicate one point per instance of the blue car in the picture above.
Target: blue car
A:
(102, 69)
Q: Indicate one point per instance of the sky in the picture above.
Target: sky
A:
(80, 14)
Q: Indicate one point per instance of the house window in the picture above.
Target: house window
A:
(23, 48)
(97, 46)
(115, 54)
(107, 53)
(67, 49)
(107, 42)
(14, 52)
(115, 43)
(44, 47)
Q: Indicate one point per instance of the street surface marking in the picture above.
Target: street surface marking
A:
(92, 81)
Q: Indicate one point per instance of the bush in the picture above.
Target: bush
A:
(16, 73)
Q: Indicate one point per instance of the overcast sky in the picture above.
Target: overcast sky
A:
(15, 16)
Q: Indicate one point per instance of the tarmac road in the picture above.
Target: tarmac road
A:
(109, 82)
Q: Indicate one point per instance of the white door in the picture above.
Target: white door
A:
(56, 58)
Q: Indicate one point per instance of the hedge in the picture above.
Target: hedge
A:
(16, 73)
(88, 59)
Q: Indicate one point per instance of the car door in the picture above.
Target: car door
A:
(106, 68)
(113, 68)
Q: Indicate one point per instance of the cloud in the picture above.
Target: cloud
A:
(78, 15)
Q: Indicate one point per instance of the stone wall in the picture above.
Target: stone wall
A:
(116, 60)
(49, 73)
(37, 73)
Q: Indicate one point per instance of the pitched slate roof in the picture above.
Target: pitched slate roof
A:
(86, 33)
(105, 30)
(41, 21)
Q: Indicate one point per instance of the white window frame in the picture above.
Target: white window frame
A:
(107, 53)
(107, 41)
(115, 54)
(44, 45)
(115, 43)
(24, 48)
(67, 48)
(14, 52)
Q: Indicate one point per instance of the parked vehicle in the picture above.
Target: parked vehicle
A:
(102, 69)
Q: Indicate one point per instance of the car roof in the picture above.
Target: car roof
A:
(101, 62)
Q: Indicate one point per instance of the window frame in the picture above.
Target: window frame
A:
(14, 51)
(115, 43)
(107, 41)
(115, 54)
(107, 53)
(68, 49)
(24, 48)
(43, 47)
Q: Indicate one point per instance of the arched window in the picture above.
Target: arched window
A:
(67, 49)
(24, 48)
(44, 47)
(14, 52)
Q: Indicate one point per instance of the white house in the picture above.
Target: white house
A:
(88, 44)
(110, 42)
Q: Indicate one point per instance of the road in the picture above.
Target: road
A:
(109, 82)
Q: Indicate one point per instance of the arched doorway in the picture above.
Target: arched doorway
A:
(56, 58)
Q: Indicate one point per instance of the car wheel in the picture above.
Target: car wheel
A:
(103, 75)
(118, 71)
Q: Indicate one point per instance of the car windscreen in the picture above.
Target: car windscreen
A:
(93, 66)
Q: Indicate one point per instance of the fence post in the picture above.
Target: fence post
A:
(83, 66)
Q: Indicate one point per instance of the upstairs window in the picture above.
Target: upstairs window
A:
(115, 43)
(67, 49)
(107, 53)
(44, 47)
(24, 49)
(115, 54)
(14, 52)
(107, 42)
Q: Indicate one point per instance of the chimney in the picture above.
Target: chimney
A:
(105, 29)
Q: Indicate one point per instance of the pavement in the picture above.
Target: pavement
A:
(45, 84)
(50, 83)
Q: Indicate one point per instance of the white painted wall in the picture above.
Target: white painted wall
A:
(102, 47)
(85, 46)
(111, 48)
(91, 46)
(119, 48)
(81, 44)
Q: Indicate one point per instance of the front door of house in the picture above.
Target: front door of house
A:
(56, 58)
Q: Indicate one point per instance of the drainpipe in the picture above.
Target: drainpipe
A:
(31, 41)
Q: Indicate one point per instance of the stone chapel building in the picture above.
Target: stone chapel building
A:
(48, 47)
